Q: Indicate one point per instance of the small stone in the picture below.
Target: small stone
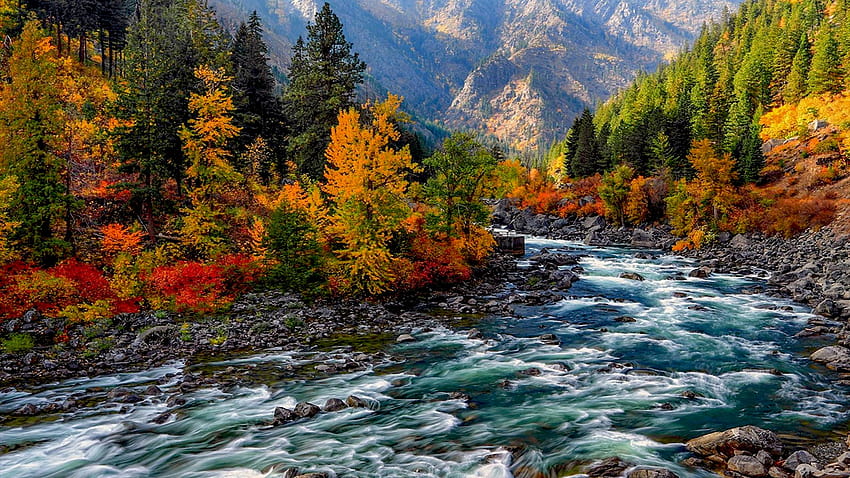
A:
(550, 339)
(632, 276)
(765, 458)
(284, 415)
(153, 390)
(533, 372)
(354, 401)
(475, 334)
(625, 319)
(405, 338)
(651, 473)
(334, 405)
(307, 410)
(459, 396)
(806, 471)
(776, 472)
(700, 273)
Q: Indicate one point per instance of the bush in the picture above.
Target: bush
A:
(17, 343)
(188, 287)
(292, 247)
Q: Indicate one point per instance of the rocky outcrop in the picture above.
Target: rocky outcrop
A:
(729, 443)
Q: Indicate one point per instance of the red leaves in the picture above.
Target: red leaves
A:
(190, 286)
(435, 263)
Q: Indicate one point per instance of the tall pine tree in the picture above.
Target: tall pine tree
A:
(323, 78)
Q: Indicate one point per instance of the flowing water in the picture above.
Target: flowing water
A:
(621, 393)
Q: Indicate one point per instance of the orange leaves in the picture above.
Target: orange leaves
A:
(118, 239)
(366, 185)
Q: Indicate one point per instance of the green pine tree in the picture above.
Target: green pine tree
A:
(322, 81)
(826, 75)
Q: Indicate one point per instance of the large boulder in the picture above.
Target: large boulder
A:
(800, 457)
(748, 439)
(835, 357)
(307, 410)
(828, 308)
(746, 465)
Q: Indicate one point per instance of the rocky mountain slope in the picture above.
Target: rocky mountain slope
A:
(518, 69)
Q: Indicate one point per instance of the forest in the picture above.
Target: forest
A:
(150, 160)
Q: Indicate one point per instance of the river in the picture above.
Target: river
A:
(700, 356)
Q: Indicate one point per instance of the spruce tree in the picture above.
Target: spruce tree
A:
(586, 160)
(258, 110)
(826, 75)
(796, 86)
(323, 78)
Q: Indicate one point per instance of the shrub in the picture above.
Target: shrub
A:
(17, 343)
(188, 287)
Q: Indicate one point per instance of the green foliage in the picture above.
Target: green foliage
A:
(826, 75)
(323, 76)
(614, 191)
(460, 170)
(17, 343)
(291, 243)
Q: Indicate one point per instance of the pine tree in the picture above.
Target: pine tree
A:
(826, 75)
(323, 78)
(796, 86)
(258, 111)
(586, 160)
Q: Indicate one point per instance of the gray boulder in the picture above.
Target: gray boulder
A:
(334, 405)
(800, 457)
(748, 439)
(835, 357)
(641, 238)
(632, 276)
(747, 466)
(307, 410)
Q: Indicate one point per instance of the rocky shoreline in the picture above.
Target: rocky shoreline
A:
(811, 269)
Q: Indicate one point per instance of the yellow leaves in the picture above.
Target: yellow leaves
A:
(8, 187)
(792, 119)
(366, 185)
(257, 235)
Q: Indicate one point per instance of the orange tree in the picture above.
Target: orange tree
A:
(367, 186)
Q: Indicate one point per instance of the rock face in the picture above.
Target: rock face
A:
(744, 439)
(519, 69)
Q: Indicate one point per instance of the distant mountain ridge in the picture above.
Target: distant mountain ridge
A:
(518, 69)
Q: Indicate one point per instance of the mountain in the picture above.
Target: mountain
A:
(518, 69)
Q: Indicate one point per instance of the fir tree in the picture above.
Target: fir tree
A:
(323, 78)
(826, 74)
(585, 162)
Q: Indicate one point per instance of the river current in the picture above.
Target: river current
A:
(701, 355)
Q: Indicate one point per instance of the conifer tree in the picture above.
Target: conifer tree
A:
(586, 159)
(826, 75)
(323, 78)
(797, 83)
(258, 111)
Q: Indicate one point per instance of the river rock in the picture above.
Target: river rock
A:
(828, 308)
(700, 273)
(550, 339)
(307, 410)
(749, 438)
(608, 468)
(807, 471)
(800, 457)
(475, 334)
(334, 405)
(354, 401)
(746, 465)
(161, 335)
(554, 259)
(594, 238)
(651, 473)
(632, 276)
(284, 415)
(776, 472)
(641, 238)
(835, 357)
(405, 338)
(313, 475)
(624, 319)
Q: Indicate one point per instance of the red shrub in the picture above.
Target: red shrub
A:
(190, 287)
(239, 272)
(435, 263)
(89, 281)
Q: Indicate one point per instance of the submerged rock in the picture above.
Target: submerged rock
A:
(632, 276)
(307, 410)
(550, 339)
(283, 416)
(700, 273)
(354, 401)
(334, 405)
(405, 338)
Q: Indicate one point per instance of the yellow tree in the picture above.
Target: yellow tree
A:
(210, 175)
(713, 186)
(366, 182)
